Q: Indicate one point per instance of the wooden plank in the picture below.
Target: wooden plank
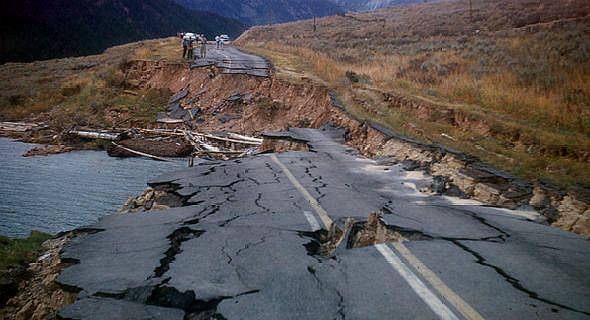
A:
(238, 138)
(242, 137)
(227, 139)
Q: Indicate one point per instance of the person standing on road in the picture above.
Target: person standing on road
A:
(203, 46)
(217, 42)
(185, 43)
(191, 48)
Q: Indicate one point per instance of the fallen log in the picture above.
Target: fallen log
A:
(209, 136)
(97, 135)
(164, 132)
(141, 153)
(160, 148)
(191, 140)
(242, 137)
(170, 120)
(196, 138)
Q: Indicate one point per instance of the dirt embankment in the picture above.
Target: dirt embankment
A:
(238, 103)
(39, 296)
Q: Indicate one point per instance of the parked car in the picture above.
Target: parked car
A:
(224, 37)
(190, 35)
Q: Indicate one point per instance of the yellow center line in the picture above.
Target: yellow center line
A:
(312, 201)
(460, 305)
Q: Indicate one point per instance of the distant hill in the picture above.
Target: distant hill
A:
(41, 29)
(256, 12)
(368, 5)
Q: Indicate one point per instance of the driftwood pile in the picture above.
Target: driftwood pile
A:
(220, 146)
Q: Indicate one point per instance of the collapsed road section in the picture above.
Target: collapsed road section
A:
(321, 233)
(233, 61)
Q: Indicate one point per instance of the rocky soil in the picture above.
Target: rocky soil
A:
(40, 296)
(48, 150)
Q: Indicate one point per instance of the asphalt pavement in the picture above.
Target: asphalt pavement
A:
(253, 242)
(232, 60)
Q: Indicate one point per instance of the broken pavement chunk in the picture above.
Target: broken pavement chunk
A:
(178, 96)
(283, 141)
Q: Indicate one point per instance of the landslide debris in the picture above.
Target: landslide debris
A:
(156, 198)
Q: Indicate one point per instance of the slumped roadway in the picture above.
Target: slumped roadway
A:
(233, 61)
(244, 247)
(429, 298)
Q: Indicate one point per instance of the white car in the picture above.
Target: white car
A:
(189, 36)
(224, 38)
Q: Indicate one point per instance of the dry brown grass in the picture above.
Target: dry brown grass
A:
(521, 67)
(85, 90)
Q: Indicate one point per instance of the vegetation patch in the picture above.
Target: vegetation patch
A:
(15, 255)
(86, 91)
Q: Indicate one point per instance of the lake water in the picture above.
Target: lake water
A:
(66, 191)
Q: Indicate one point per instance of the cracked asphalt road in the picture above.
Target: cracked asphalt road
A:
(246, 246)
(233, 61)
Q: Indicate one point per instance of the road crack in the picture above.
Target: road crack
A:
(479, 259)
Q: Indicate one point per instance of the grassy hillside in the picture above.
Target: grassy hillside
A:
(40, 29)
(509, 83)
(86, 91)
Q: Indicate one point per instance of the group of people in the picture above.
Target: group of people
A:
(219, 42)
(190, 41)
